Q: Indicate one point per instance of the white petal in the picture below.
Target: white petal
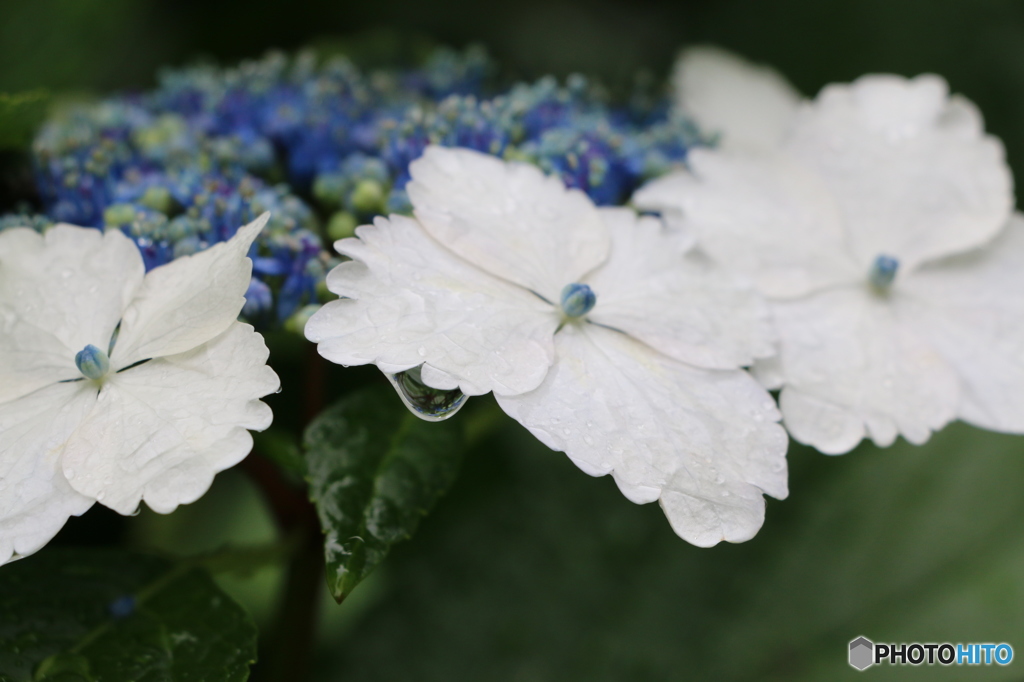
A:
(852, 367)
(971, 308)
(911, 170)
(161, 430)
(768, 371)
(750, 105)
(59, 293)
(762, 216)
(411, 301)
(704, 442)
(432, 376)
(678, 303)
(508, 219)
(188, 301)
(35, 498)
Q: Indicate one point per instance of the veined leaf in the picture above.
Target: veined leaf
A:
(374, 471)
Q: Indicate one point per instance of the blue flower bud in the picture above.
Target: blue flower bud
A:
(883, 272)
(258, 300)
(122, 607)
(577, 299)
(92, 362)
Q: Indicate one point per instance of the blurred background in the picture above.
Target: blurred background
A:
(529, 570)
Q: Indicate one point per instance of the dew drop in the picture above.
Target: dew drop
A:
(422, 351)
(70, 473)
(758, 418)
(427, 403)
(725, 493)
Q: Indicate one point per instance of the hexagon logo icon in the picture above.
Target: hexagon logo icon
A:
(862, 653)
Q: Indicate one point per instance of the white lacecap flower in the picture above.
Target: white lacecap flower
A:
(879, 228)
(593, 328)
(119, 386)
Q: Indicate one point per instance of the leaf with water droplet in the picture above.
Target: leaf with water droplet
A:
(374, 471)
(77, 614)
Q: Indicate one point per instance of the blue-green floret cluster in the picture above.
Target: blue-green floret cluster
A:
(181, 167)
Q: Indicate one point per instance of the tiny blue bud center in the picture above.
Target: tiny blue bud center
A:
(883, 272)
(122, 607)
(577, 299)
(92, 362)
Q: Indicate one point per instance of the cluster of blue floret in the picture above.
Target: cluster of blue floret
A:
(323, 146)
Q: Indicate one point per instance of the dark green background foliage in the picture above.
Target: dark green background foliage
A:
(76, 616)
(528, 569)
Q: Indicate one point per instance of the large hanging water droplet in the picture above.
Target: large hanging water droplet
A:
(427, 403)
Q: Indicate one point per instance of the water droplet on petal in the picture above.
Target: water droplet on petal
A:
(70, 473)
(422, 351)
(427, 403)
(66, 274)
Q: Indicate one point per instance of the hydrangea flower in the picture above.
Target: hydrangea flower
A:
(878, 225)
(592, 327)
(175, 190)
(118, 385)
(179, 167)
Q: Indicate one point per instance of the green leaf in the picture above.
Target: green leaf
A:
(100, 615)
(20, 113)
(282, 448)
(374, 471)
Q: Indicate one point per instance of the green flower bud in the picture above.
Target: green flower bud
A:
(341, 226)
